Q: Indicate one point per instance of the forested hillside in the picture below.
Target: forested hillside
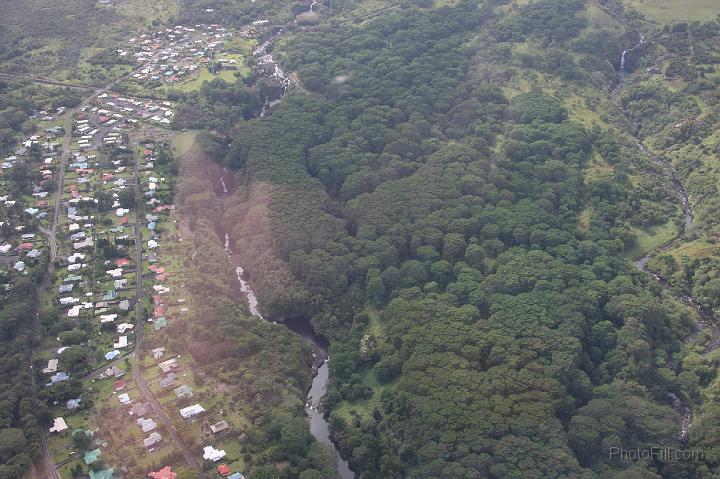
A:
(502, 216)
(452, 199)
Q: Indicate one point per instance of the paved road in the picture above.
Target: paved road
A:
(140, 320)
(49, 464)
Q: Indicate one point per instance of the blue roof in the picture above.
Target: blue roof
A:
(102, 474)
(112, 355)
(58, 377)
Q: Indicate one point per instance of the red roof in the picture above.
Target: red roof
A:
(120, 385)
(123, 220)
(224, 470)
(122, 262)
(159, 311)
(24, 246)
(164, 473)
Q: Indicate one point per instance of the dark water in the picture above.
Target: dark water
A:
(319, 427)
(301, 325)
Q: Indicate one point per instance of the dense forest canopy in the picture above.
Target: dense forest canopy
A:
(453, 193)
(428, 210)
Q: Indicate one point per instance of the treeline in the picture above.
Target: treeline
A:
(217, 105)
(19, 433)
(20, 99)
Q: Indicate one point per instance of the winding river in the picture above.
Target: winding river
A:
(319, 426)
(706, 322)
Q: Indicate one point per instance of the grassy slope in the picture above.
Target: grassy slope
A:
(664, 11)
(55, 39)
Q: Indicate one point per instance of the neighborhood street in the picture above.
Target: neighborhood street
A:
(140, 320)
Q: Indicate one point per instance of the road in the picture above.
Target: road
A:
(76, 86)
(140, 320)
(49, 464)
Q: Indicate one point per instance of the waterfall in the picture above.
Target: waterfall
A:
(222, 182)
(312, 5)
(622, 60)
(245, 288)
(248, 292)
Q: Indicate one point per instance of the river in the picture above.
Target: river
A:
(706, 321)
(319, 427)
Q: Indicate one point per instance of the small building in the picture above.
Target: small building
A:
(102, 474)
(112, 355)
(212, 454)
(224, 470)
(183, 392)
(139, 409)
(191, 411)
(169, 365)
(146, 425)
(51, 366)
(59, 377)
(58, 425)
(167, 381)
(152, 439)
(219, 426)
(164, 473)
(91, 457)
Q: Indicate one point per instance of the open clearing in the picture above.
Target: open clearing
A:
(665, 11)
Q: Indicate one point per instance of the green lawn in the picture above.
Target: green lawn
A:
(666, 11)
(204, 75)
(647, 239)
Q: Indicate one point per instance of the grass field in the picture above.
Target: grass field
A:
(204, 75)
(665, 11)
(648, 239)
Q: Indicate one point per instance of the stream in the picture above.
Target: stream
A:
(706, 320)
(319, 426)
